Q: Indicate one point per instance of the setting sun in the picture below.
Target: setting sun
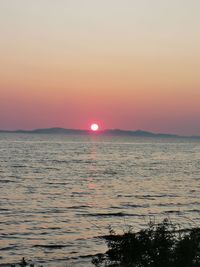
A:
(94, 127)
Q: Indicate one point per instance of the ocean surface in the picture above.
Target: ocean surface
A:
(59, 193)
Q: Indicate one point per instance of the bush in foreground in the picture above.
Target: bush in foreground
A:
(160, 245)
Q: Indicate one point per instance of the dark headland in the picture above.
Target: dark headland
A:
(108, 132)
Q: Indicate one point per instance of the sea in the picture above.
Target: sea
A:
(59, 194)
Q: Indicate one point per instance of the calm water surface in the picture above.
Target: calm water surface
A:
(59, 193)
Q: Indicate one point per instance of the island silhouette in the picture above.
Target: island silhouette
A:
(106, 132)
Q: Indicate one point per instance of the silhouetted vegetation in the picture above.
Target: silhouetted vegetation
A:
(24, 263)
(160, 245)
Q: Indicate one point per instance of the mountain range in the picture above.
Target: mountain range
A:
(114, 132)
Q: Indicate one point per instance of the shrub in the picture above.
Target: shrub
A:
(159, 245)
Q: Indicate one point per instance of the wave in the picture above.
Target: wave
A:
(112, 214)
(51, 246)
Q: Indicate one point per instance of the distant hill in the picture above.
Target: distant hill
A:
(114, 132)
(139, 133)
(54, 130)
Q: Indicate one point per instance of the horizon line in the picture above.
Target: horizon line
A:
(99, 131)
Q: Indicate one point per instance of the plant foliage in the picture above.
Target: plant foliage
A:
(159, 245)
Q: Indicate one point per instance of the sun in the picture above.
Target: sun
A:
(94, 127)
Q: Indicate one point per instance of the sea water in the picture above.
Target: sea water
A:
(60, 193)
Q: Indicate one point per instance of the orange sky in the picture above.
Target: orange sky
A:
(127, 64)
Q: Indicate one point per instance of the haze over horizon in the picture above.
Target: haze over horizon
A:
(124, 64)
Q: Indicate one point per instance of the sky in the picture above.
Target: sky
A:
(128, 64)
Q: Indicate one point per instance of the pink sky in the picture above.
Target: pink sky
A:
(126, 64)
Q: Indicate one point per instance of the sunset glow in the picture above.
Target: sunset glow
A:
(94, 127)
(99, 109)
(134, 64)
